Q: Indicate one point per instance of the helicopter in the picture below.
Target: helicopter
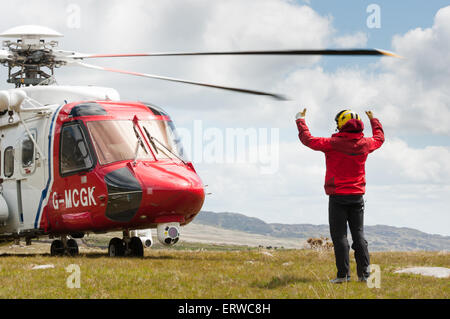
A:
(76, 160)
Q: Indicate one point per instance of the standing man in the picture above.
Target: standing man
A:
(346, 153)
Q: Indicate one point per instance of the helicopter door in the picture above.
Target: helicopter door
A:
(23, 179)
(12, 190)
(73, 192)
(30, 179)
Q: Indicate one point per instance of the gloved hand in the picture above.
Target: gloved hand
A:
(369, 114)
(301, 115)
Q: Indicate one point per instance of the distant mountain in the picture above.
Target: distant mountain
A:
(380, 237)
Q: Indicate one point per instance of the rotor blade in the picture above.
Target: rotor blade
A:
(264, 52)
(275, 96)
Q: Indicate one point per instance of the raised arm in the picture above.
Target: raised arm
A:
(316, 143)
(377, 131)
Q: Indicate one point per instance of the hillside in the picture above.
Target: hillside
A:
(380, 237)
(198, 233)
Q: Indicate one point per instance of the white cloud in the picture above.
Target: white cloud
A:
(411, 165)
(293, 194)
(426, 53)
(420, 206)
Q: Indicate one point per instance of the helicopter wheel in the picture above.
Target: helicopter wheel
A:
(116, 247)
(136, 248)
(57, 248)
(72, 247)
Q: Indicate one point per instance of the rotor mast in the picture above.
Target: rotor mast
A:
(26, 57)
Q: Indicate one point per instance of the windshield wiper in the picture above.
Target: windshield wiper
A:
(138, 143)
(171, 152)
(150, 138)
(165, 147)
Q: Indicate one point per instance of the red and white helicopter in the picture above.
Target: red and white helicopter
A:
(77, 160)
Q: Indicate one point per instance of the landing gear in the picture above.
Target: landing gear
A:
(72, 247)
(57, 248)
(126, 246)
(64, 246)
(136, 247)
(116, 247)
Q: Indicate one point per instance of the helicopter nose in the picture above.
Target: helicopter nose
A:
(154, 192)
(171, 190)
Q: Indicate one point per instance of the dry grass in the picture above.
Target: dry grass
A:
(221, 272)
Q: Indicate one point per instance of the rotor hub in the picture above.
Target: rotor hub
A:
(26, 56)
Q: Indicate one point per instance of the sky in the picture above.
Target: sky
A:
(246, 148)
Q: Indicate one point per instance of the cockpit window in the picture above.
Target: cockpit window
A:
(74, 153)
(164, 132)
(117, 141)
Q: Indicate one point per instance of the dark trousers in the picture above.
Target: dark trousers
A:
(343, 209)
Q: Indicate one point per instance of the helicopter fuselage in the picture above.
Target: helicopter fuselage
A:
(94, 166)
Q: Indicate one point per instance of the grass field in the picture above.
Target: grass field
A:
(211, 271)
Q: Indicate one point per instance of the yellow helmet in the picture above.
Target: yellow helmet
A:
(343, 116)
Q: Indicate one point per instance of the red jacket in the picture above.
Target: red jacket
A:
(346, 153)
